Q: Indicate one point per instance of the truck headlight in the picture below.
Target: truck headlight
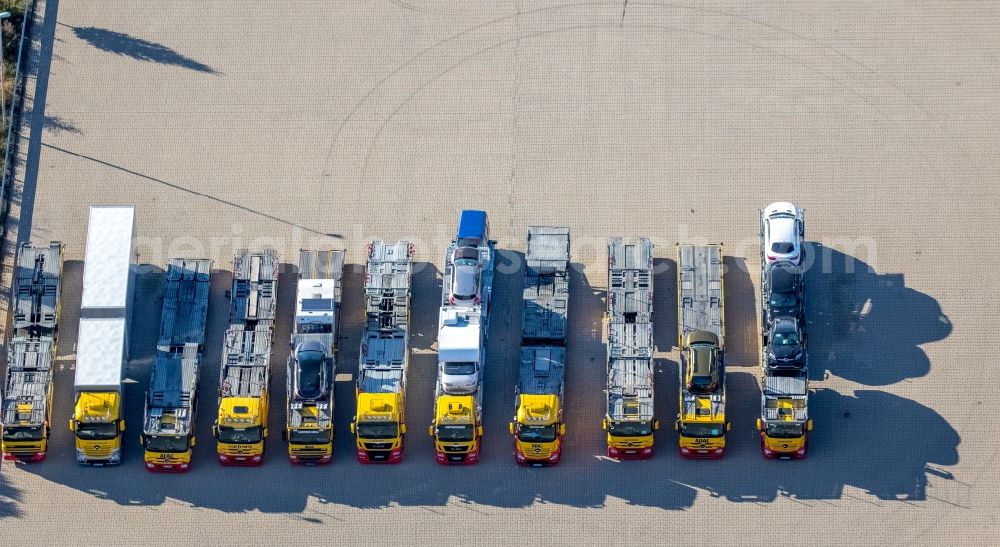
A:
(81, 456)
(116, 455)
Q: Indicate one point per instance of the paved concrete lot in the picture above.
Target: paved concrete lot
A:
(326, 123)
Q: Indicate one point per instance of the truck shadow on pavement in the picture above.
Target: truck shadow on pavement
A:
(664, 304)
(850, 447)
(890, 460)
(865, 326)
(10, 496)
(742, 330)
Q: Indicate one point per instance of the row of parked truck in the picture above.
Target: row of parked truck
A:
(379, 424)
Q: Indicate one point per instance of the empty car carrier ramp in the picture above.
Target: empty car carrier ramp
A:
(629, 420)
(699, 291)
(251, 325)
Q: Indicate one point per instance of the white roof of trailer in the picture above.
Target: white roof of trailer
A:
(458, 337)
(108, 257)
(100, 353)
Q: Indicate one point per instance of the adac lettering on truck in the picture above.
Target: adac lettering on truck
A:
(702, 436)
(169, 461)
(537, 431)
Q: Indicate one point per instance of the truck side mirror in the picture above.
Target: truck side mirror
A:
(121, 426)
(677, 426)
(604, 424)
(72, 425)
(142, 440)
(760, 425)
(809, 425)
(656, 425)
(729, 426)
(402, 429)
(430, 430)
(194, 441)
(562, 429)
(265, 432)
(479, 430)
(354, 429)
(510, 427)
(215, 431)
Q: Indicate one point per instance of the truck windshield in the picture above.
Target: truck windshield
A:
(377, 430)
(537, 433)
(701, 430)
(784, 431)
(630, 429)
(462, 433)
(166, 443)
(309, 436)
(232, 435)
(460, 368)
(22, 433)
(97, 432)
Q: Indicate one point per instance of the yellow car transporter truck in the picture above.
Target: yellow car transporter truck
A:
(701, 420)
(172, 397)
(241, 425)
(27, 397)
(629, 421)
(379, 423)
(312, 361)
(538, 426)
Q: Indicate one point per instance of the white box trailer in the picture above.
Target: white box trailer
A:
(107, 279)
(100, 354)
(102, 345)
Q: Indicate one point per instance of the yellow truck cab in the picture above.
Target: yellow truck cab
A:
(168, 424)
(240, 429)
(538, 426)
(102, 344)
(538, 429)
(379, 423)
(98, 426)
(701, 418)
(629, 420)
(27, 396)
(379, 426)
(784, 424)
(457, 429)
(630, 434)
(244, 378)
(26, 425)
(309, 432)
